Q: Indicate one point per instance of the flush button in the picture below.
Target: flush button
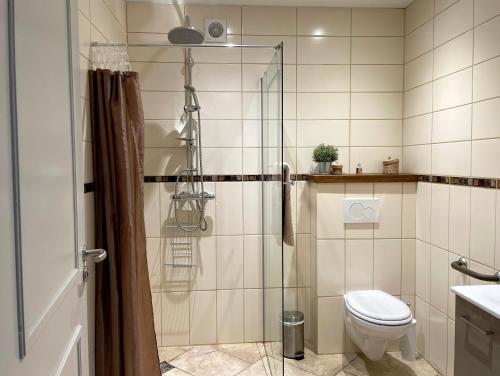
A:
(361, 210)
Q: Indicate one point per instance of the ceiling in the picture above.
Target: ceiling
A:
(317, 3)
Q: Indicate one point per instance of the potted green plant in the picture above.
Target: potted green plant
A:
(324, 155)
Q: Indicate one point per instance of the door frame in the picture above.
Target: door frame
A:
(25, 339)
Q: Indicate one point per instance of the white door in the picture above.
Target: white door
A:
(43, 297)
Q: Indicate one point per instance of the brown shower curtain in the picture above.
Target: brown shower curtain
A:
(124, 329)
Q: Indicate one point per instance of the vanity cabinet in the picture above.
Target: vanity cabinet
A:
(477, 341)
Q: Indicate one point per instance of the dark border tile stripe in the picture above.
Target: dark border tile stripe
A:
(439, 179)
(462, 181)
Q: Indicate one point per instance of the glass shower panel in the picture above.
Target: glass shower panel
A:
(272, 211)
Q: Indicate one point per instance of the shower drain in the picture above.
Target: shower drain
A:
(165, 367)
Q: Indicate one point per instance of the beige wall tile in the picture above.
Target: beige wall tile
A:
(376, 132)
(451, 348)
(203, 317)
(205, 273)
(453, 124)
(229, 252)
(331, 332)
(252, 245)
(377, 50)
(377, 78)
(422, 316)
(484, 153)
(482, 232)
(269, 20)
(454, 21)
(408, 266)
(222, 160)
(484, 10)
(230, 316)
(459, 222)
(453, 55)
(324, 21)
(417, 130)
(418, 101)
(453, 90)
(160, 76)
(418, 13)
(408, 215)
(441, 5)
(376, 105)
(423, 218)
(451, 158)
(438, 340)
(418, 72)
(175, 318)
(377, 22)
(497, 246)
(390, 196)
(311, 133)
(329, 200)
(155, 263)
(486, 43)
(359, 264)
(487, 80)
(323, 50)
(229, 208)
(330, 267)
(423, 267)
(323, 78)
(439, 279)
(253, 308)
(485, 119)
(308, 106)
(153, 18)
(419, 41)
(387, 265)
(152, 210)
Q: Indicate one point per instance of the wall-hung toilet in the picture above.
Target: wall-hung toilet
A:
(374, 317)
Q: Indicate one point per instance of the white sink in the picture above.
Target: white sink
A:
(486, 297)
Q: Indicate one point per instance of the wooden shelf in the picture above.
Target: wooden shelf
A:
(363, 178)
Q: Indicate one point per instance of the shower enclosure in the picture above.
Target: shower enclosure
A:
(272, 210)
(188, 199)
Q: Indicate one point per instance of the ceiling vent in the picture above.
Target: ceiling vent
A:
(215, 30)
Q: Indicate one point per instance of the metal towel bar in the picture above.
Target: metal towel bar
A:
(461, 266)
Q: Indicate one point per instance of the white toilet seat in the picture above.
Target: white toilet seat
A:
(374, 317)
(378, 307)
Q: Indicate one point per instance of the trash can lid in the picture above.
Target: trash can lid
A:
(291, 317)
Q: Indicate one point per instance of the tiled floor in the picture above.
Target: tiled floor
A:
(249, 359)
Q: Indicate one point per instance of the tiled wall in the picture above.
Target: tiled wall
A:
(99, 21)
(346, 257)
(451, 127)
(339, 89)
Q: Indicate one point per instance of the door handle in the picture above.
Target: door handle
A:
(468, 321)
(98, 254)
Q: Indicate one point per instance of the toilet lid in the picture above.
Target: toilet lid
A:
(377, 306)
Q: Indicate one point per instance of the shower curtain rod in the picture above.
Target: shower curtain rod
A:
(99, 44)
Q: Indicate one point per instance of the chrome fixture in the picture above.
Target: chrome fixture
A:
(196, 199)
(461, 266)
(98, 256)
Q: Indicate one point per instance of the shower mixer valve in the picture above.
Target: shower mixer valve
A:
(191, 108)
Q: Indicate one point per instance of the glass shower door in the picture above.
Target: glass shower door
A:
(272, 211)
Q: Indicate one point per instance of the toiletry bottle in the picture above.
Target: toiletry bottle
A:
(359, 169)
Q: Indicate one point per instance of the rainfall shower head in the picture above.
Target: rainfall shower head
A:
(185, 35)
